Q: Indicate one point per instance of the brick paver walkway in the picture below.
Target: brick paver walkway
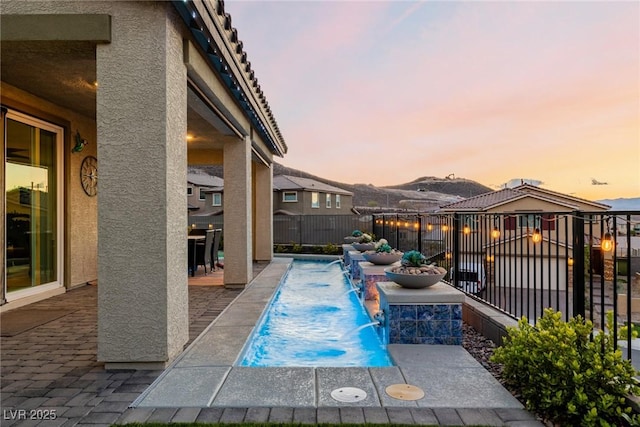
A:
(49, 377)
(53, 367)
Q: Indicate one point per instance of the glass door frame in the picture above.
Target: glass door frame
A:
(60, 188)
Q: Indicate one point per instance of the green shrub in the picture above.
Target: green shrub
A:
(623, 330)
(565, 375)
(331, 249)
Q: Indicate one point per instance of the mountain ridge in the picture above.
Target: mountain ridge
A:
(423, 193)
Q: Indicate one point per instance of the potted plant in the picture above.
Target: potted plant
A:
(364, 243)
(382, 254)
(414, 272)
(355, 235)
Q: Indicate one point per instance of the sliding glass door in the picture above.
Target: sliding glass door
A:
(33, 205)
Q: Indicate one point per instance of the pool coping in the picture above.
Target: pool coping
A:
(206, 375)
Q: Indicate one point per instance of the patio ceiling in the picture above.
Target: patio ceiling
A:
(64, 73)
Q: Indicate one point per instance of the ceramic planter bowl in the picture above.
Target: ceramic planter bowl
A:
(363, 246)
(382, 258)
(413, 281)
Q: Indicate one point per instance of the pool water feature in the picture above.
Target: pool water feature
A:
(315, 319)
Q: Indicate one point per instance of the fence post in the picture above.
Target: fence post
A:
(397, 233)
(455, 256)
(419, 220)
(578, 264)
(373, 224)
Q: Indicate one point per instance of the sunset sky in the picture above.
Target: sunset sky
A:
(385, 92)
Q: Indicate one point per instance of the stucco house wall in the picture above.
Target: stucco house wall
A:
(303, 205)
(149, 76)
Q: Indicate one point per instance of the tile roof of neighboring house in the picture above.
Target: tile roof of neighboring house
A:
(485, 201)
(496, 198)
(554, 194)
(203, 179)
(286, 182)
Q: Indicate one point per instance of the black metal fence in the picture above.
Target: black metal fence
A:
(578, 262)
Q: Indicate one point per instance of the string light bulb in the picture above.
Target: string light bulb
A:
(495, 233)
(536, 237)
(570, 261)
(607, 243)
(445, 227)
(466, 229)
(429, 226)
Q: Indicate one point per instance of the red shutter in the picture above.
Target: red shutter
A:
(510, 222)
(548, 222)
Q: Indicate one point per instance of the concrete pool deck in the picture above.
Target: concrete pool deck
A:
(204, 376)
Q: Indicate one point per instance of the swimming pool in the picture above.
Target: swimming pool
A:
(315, 319)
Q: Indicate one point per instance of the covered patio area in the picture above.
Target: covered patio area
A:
(121, 97)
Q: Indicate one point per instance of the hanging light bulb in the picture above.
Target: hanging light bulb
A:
(445, 227)
(416, 225)
(536, 237)
(570, 261)
(607, 242)
(429, 226)
(466, 229)
(447, 255)
(495, 233)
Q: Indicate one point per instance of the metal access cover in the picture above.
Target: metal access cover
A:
(405, 392)
(349, 394)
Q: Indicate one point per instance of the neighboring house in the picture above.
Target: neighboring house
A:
(204, 192)
(513, 214)
(304, 196)
(132, 92)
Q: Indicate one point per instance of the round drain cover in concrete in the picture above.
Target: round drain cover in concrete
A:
(405, 392)
(349, 394)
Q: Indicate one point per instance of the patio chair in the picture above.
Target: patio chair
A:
(198, 232)
(215, 261)
(203, 250)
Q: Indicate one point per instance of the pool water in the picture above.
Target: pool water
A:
(315, 319)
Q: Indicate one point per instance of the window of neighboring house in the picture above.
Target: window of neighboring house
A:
(216, 199)
(189, 191)
(289, 196)
(202, 195)
(529, 221)
(328, 201)
(337, 201)
(315, 199)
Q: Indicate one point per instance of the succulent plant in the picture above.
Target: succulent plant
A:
(382, 246)
(413, 259)
(365, 238)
